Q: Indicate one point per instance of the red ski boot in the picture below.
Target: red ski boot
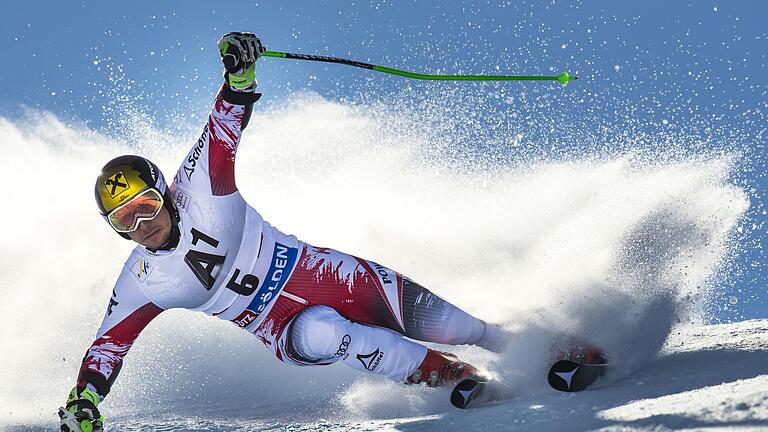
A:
(441, 368)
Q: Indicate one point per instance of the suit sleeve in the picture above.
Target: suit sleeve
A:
(209, 167)
(128, 313)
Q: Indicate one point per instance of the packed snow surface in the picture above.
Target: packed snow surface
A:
(711, 377)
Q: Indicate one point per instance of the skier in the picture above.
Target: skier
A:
(202, 247)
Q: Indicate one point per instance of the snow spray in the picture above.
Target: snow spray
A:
(615, 248)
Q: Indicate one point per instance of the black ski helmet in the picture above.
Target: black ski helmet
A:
(126, 176)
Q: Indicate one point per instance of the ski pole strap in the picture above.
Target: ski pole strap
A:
(563, 78)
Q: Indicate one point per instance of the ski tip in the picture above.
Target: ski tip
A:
(465, 392)
(561, 375)
(569, 376)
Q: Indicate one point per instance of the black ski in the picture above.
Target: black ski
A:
(570, 376)
(475, 392)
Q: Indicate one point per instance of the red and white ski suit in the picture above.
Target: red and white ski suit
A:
(308, 305)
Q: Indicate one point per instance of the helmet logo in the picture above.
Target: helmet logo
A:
(116, 184)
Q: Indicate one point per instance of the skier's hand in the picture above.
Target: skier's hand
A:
(239, 52)
(81, 414)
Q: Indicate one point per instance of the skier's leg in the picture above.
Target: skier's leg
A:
(319, 335)
(368, 293)
(430, 318)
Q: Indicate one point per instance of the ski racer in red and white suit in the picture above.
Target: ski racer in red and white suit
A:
(309, 305)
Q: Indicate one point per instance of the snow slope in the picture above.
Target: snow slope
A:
(707, 378)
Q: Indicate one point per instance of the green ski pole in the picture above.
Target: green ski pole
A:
(564, 78)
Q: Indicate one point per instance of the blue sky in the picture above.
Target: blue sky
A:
(58, 59)
(684, 69)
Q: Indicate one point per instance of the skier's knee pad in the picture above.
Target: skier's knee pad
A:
(317, 334)
(320, 335)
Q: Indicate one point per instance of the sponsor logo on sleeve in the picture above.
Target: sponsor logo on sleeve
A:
(191, 163)
(141, 269)
(371, 361)
(112, 302)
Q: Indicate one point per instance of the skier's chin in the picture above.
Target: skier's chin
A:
(155, 239)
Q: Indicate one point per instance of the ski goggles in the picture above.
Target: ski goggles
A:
(144, 206)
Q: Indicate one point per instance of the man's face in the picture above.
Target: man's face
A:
(153, 233)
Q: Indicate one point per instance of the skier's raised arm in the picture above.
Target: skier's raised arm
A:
(209, 167)
(128, 313)
(133, 198)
